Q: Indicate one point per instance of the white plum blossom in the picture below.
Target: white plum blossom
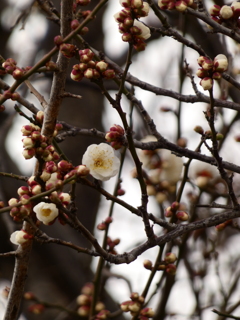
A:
(102, 161)
(144, 29)
(170, 166)
(19, 237)
(46, 212)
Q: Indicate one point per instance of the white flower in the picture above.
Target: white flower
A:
(226, 12)
(101, 161)
(18, 237)
(145, 30)
(171, 167)
(46, 212)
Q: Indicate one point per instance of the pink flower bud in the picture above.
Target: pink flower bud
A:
(23, 190)
(168, 212)
(236, 8)
(36, 189)
(28, 153)
(15, 96)
(101, 226)
(147, 264)
(82, 170)
(124, 305)
(65, 198)
(101, 66)
(89, 73)
(170, 257)
(220, 63)
(216, 75)
(109, 74)
(74, 24)
(215, 10)
(76, 75)
(147, 312)
(65, 166)
(181, 5)
(58, 40)
(201, 73)
(226, 12)
(28, 143)
(83, 311)
(68, 50)
(182, 215)
(171, 269)
(13, 202)
(206, 83)
(24, 198)
(26, 130)
(17, 73)
(51, 66)
(127, 37)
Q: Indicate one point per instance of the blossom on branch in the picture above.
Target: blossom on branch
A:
(101, 161)
(19, 237)
(46, 212)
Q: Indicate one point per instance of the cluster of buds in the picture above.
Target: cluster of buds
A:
(10, 67)
(208, 133)
(34, 143)
(115, 136)
(167, 265)
(226, 13)
(179, 5)
(133, 31)
(111, 244)
(89, 68)
(176, 210)
(211, 70)
(84, 301)
(104, 224)
(134, 306)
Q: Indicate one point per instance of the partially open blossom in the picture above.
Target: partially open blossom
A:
(145, 31)
(101, 161)
(19, 237)
(46, 212)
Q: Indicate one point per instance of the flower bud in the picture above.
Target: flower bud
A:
(171, 269)
(83, 300)
(83, 2)
(17, 73)
(109, 74)
(170, 257)
(220, 63)
(181, 5)
(147, 312)
(206, 83)
(58, 40)
(28, 153)
(68, 50)
(74, 24)
(15, 96)
(23, 190)
(236, 8)
(214, 10)
(101, 66)
(147, 264)
(226, 12)
(168, 212)
(182, 215)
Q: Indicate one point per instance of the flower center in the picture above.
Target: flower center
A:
(98, 162)
(46, 212)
